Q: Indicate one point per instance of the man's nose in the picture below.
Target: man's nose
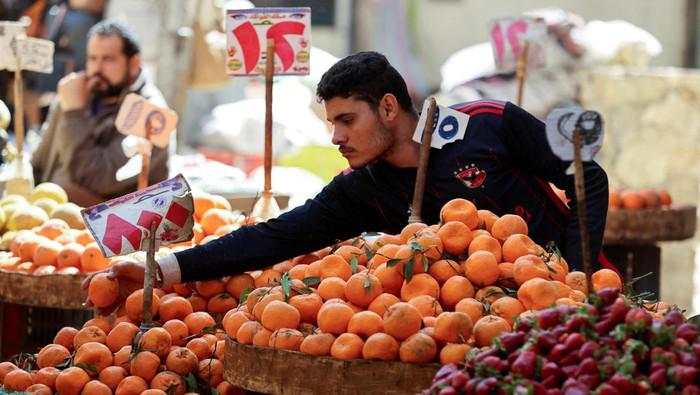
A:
(339, 136)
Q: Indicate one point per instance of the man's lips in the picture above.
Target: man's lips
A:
(345, 151)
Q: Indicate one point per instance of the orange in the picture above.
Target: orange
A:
(454, 353)
(308, 306)
(508, 308)
(481, 268)
(334, 318)
(507, 225)
(430, 247)
(96, 387)
(183, 290)
(221, 303)
(111, 376)
(145, 364)
(411, 230)
(182, 361)
(391, 278)
(226, 388)
(69, 256)
(43, 270)
(488, 328)
(347, 346)
(198, 303)
(46, 253)
(528, 267)
(420, 284)
(100, 322)
(453, 327)
(427, 305)
(444, 269)
(313, 270)
(201, 348)
(380, 346)
(577, 280)
(220, 348)
(332, 287)
(455, 289)
(362, 288)
(123, 357)
(52, 355)
(93, 355)
(245, 332)
(274, 295)
(46, 376)
(134, 305)
(26, 247)
(17, 380)
(5, 368)
(215, 218)
(486, 219)
(92, 259)
(255, 296)
(131, 385)
(286, 339)
(39, 389)
(486, 243)
(347, 252)
(562, 290)
(517, 245)
(537, 294)
(664, 198)
(577, 296)
(209, 288)
(103, 290)
(169, 382)
(605, 278)
(278, 315)
(84, 237)
(556, 271)
(506, 277)
(267, 278)
(419, 348)
(71, 381)
(382, 302)
(335, 266)
(461, 210)
(298, 272)
(121, 335)
(402, 320)
(152, 391)
(203, 202)
(174, 308)
(382, 255)
(262, 337)
(239, 283)
(88, 334)
(365, 324)
(233, 320)
(283, 266)
(490, 294)
(156, 340)
(211, 371)
(455, 237)
(318, 344)
(199, 321)
(632, 200)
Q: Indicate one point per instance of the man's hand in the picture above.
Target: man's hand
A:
(130, 274)
(73, 91)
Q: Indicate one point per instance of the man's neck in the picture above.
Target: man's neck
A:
(404, 153)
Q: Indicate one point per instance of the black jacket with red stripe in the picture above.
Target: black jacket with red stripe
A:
(503, 164)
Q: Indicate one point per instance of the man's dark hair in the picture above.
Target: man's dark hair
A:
(366, 76)
(130, 45)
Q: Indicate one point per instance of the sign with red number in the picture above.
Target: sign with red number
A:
(508, 37)
(35, 54)
(247, 32)
(139, 117)
(120, 226)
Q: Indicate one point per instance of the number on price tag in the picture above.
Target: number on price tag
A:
(508, 37)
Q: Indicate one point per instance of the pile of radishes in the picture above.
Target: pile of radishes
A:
(605, 348)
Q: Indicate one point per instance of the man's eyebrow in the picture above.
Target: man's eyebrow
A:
(339, 116)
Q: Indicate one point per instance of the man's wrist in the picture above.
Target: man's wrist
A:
(168, 270)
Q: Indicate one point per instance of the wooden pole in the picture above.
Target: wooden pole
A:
(423, 157)
(269, 72)
(521, 72)
(579, 184)
(148, 279)
(19, 107)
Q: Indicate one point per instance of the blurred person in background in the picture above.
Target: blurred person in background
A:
(80, 148)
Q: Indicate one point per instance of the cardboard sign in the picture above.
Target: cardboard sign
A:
(120, 226)
(8, 31)
(247, 32)
(450, 125)
(35, 54)
(508, 37)
(560, 125)
(137, 116)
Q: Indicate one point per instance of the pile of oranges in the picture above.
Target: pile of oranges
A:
(636, 200)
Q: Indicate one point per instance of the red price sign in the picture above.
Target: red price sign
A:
(120, 225)
(248, 32)
(508, 37)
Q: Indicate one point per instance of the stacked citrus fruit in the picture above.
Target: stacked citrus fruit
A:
(639, 199)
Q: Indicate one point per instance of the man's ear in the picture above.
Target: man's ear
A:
(389, 108)
(134, 66)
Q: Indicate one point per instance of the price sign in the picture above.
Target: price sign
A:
(247, 32)
(508, 37)
(560, 125)
(35, 54)
(120, 226)
(8, 31)
(450, 125)
(139, 117)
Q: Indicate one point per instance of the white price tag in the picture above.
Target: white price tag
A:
(560, 125)
(451, 126)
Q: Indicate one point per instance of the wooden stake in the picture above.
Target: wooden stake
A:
(23, 181)
(423, 157)
(521, 73)
(269, 72)
(579, 184)
(19, 107)
(148, 279)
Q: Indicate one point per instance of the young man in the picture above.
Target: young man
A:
(81, 149)
(503, 164)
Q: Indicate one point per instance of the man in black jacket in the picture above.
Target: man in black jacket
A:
(502, 164)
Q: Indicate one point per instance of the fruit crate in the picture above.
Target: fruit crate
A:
(273, 371)
(647, 226)
(61, 291)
